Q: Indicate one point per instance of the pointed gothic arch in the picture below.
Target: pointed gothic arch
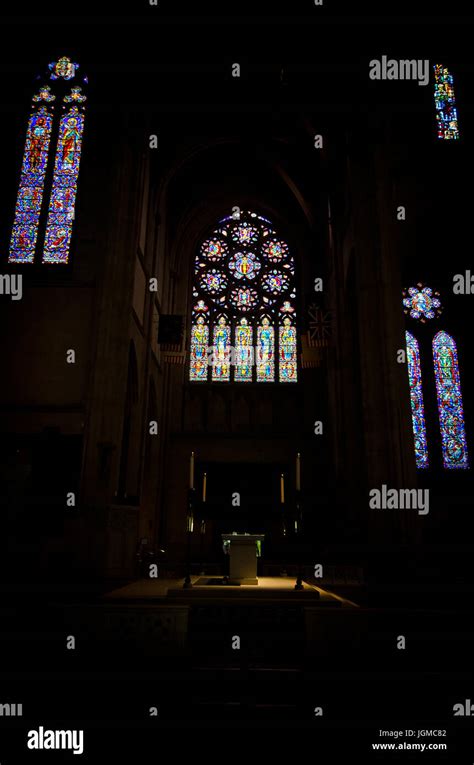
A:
(450, 407)
(423, 305)
(45, 205)
(244, 294)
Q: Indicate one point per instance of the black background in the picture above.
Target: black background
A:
(175, 60)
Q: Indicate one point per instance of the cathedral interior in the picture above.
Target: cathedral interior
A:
(183, 186)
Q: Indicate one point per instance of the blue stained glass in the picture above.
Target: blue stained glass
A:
(416, 398)
(214, 250)
(244, 352)
(63, 194)
(30, 193)
(199, 348)
(244, 265)
(213, 281)
(63, 69)
(265, 351)
(445, 103)
(221, 361)
(246, 270)
(29, 205)
(422, 303)
(275, 250)
(288, 366)
(450, 408)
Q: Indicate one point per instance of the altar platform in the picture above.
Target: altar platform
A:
(271, 588)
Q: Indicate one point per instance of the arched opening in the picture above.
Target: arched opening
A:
(244, 293)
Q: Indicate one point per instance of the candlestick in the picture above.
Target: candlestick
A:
(190, 523)
(204, 487)
(298, 472)
(282, 489)
(191, 471)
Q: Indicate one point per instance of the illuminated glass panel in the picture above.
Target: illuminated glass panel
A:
(275, 281)
(244, 271)
(30, 193)
(446, 113)
(244, 265)
(416, 398)
(214, 250)
(221, 351)
(35, 171)
(422, 303)
(213, 281)
(63, 193)
(44, 95)
(75, 96)
(275, 250)
(243, 352)
(245, 234)
(448, 388)
(244, 299)
(199, 346)
(265, 351)
(288, 360)
(63, 69)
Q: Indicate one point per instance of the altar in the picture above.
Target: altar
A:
(243, 550)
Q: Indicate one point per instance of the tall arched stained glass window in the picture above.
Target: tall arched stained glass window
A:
(63, 194)
(445, 103)
(287, 343)
(243, 351)
(221, 339)
(199, 342)
(244, 294)
(448, 388)
(265, 351)
(33, 173)
(422, 304)
(416, 397)
(57, 116)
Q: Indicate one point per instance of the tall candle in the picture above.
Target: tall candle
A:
(282, 489)
(204, 487)
(298, 472)
(191, 471)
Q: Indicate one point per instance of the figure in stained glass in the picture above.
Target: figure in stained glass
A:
(229, 276)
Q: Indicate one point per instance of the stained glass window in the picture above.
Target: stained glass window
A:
(287, 350)
(199, 342)
(265, 351)
(30, 193)
(244, 277)
(422, 303)
(446, 113)
(243, 351)
(221, 349)
(63, 69)
(448, 388)
(416, 398)
(63, 193)
(36, 181)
